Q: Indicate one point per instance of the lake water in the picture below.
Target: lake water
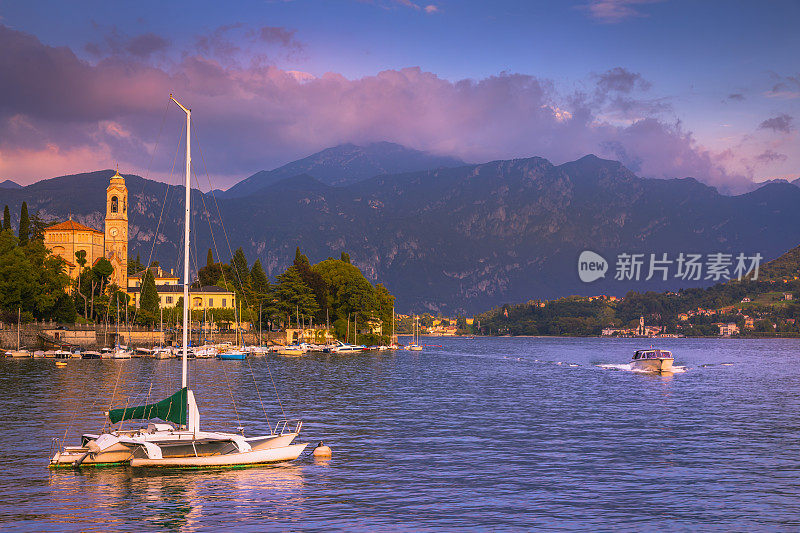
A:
(484, 434)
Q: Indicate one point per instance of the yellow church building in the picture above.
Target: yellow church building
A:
(68, 238)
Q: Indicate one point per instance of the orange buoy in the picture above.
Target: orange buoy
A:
(321, 450)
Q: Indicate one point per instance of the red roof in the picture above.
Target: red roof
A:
(71, 225)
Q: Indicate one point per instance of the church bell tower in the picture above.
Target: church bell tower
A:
(116, 230)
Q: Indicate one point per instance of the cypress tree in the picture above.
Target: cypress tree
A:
(258, 279)
(241, 272)
(148, 301)
(6, 218)
(209, 258)
(24, 225)
(300, 258)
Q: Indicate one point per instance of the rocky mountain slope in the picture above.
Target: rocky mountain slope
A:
(453, 239)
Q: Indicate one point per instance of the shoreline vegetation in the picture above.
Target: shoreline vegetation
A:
(35, 287)
(768, 306)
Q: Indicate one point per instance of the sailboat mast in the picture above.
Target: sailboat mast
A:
(186, 241)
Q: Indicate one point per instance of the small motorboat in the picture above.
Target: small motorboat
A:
(90, 354)
(342, 347)
(652, 360)
(232, 355)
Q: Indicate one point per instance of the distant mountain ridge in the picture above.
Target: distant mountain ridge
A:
(8, 184)
(458, 239)
(346, 164)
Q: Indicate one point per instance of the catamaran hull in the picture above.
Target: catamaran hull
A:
(253, 457)
(120, 454)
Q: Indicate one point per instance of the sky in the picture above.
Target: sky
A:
(671, 88)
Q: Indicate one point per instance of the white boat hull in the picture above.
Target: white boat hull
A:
(172, 443)
(253, 457)
(652, 365)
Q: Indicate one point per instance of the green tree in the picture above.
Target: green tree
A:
(348, 291)
(384, 307)
(24, 225)
(31, 278)
(80, 258)
(314, 281)
(300, 258)
(294, 296)
(135, 265)
(346, 257)
(6, 219)
(258, 279)
(38, 225)
(240, 271)
(148, 299)
(209, 258)
(214, 274)
(99, 274)
(262, 298)
(64, 309)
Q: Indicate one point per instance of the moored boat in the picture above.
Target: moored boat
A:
(232, 355)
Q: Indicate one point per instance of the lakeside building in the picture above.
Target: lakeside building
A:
(208, 297)
(726, 330)
(159, 276)
(68, 238)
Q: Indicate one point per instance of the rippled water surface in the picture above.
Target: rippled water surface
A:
(484, 434)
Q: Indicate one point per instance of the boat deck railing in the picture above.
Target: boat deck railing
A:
(284, 426)
(55, 447)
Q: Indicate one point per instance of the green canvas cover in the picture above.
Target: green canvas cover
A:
(172, 409)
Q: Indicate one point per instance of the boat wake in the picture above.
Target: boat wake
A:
(627, 368)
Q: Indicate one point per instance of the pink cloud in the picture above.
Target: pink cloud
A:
(59, 114)
(614, 11)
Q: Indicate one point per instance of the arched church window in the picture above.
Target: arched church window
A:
(114, 204)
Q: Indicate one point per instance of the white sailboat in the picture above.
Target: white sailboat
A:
(179, 442)
(19, 352)
(414, 346)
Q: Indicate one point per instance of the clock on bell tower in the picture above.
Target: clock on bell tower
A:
(116, 230)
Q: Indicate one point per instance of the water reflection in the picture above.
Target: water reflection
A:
(185, 500)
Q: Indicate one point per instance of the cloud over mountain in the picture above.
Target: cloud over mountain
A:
(61, 113)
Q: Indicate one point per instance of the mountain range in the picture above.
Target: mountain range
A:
(346, 164)
(458, 238)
